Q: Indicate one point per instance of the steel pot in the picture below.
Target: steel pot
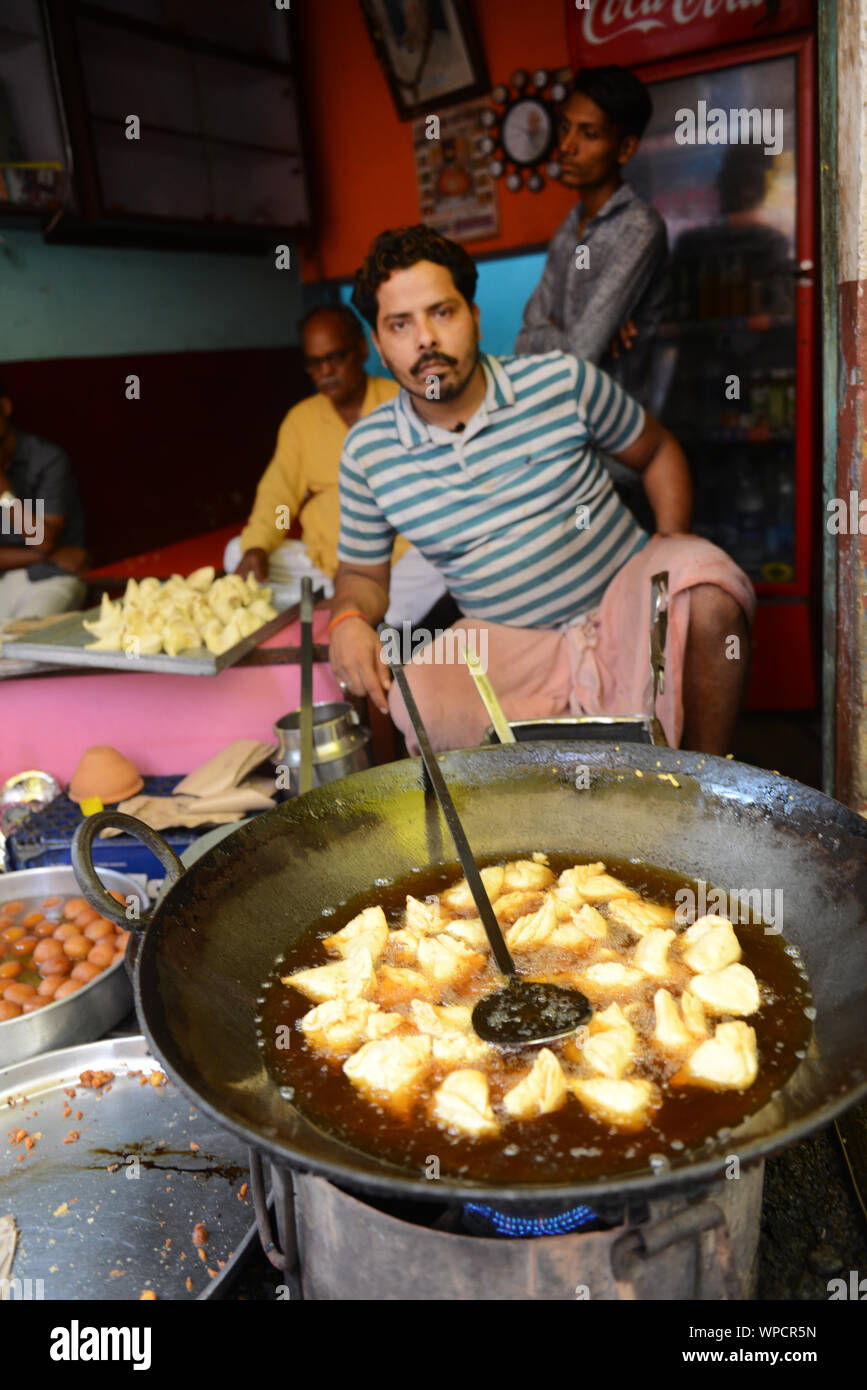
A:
(341, 744)
(92, 1010)
(218, 928)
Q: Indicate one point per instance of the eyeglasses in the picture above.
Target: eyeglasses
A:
(331, 359)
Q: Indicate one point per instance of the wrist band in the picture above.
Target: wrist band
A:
(352, 613)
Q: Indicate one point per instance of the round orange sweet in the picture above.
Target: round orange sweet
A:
(68, 987)
(95, 931)
(77, 947)
(17, 993)
(101, 955)
(84, 971)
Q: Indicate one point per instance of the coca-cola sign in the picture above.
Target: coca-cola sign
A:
(631, 32)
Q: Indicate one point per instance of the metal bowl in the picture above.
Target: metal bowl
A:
(91, 1010)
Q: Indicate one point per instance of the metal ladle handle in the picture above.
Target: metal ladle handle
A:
(456, 830)
(658, 635)
(305, 777)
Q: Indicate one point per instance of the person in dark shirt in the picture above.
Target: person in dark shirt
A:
(604, 286)
(603, 304)
(41, 525)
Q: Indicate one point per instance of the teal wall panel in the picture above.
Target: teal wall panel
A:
(77, 301)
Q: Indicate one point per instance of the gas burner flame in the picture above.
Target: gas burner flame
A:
(481, 1219)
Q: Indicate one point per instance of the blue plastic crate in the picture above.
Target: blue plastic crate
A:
(46, 837)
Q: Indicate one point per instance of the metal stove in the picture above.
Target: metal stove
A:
(333, 1244)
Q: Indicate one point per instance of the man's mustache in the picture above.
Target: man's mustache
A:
(437, 357)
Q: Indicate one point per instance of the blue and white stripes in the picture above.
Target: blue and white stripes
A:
(495, 508)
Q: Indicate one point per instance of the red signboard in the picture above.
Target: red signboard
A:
(632, 32)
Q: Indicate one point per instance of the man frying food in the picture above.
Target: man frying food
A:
(491, 467)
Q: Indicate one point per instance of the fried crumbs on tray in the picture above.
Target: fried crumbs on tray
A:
(393, 1003)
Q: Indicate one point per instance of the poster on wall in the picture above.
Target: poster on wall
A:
(457, 195)
(428, 50)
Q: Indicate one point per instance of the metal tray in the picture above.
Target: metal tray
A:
(64, 644)
(78, 1222)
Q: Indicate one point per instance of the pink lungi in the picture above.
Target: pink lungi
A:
(600, 665)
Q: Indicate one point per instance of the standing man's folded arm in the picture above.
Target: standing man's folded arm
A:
(614, 291)
(539, 332)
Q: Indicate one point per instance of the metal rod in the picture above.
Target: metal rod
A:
(456, 830)
(263, 1216)
(278, 656)
(305, 780)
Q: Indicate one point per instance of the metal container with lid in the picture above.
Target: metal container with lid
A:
(341, 744)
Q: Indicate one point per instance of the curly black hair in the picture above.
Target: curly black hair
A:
(402, 247)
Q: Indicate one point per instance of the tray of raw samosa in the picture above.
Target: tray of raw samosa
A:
(191, 627)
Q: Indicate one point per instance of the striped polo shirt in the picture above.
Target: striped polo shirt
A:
(517, 511)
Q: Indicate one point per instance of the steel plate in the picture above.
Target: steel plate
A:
(89, 1233)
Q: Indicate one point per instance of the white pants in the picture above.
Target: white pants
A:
(415, 583)
(23, 597)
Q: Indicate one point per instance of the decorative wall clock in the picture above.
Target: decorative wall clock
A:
(521, 128)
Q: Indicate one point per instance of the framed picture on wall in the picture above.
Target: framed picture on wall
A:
(429, 51)
(457, 195)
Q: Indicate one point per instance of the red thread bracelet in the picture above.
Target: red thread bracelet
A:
(352, 613)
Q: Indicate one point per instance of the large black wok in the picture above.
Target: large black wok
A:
(215, 934)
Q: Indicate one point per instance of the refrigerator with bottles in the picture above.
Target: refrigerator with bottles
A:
(729, 161)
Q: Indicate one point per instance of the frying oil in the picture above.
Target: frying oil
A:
(569, 1143)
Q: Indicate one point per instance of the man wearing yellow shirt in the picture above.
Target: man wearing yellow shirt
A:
(301, 479)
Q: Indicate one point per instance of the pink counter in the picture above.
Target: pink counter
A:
(164, 724)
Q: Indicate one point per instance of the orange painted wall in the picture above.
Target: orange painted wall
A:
(362, 167)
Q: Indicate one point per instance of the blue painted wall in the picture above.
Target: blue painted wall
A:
(82, 301)
(504, 287)
(74, 301)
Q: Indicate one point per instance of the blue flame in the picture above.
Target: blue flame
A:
(505, 1224)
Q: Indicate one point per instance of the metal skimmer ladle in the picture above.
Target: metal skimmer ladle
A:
(523, 1013)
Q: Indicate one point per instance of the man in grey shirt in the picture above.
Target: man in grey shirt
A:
(41, 525)
(602, 291)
